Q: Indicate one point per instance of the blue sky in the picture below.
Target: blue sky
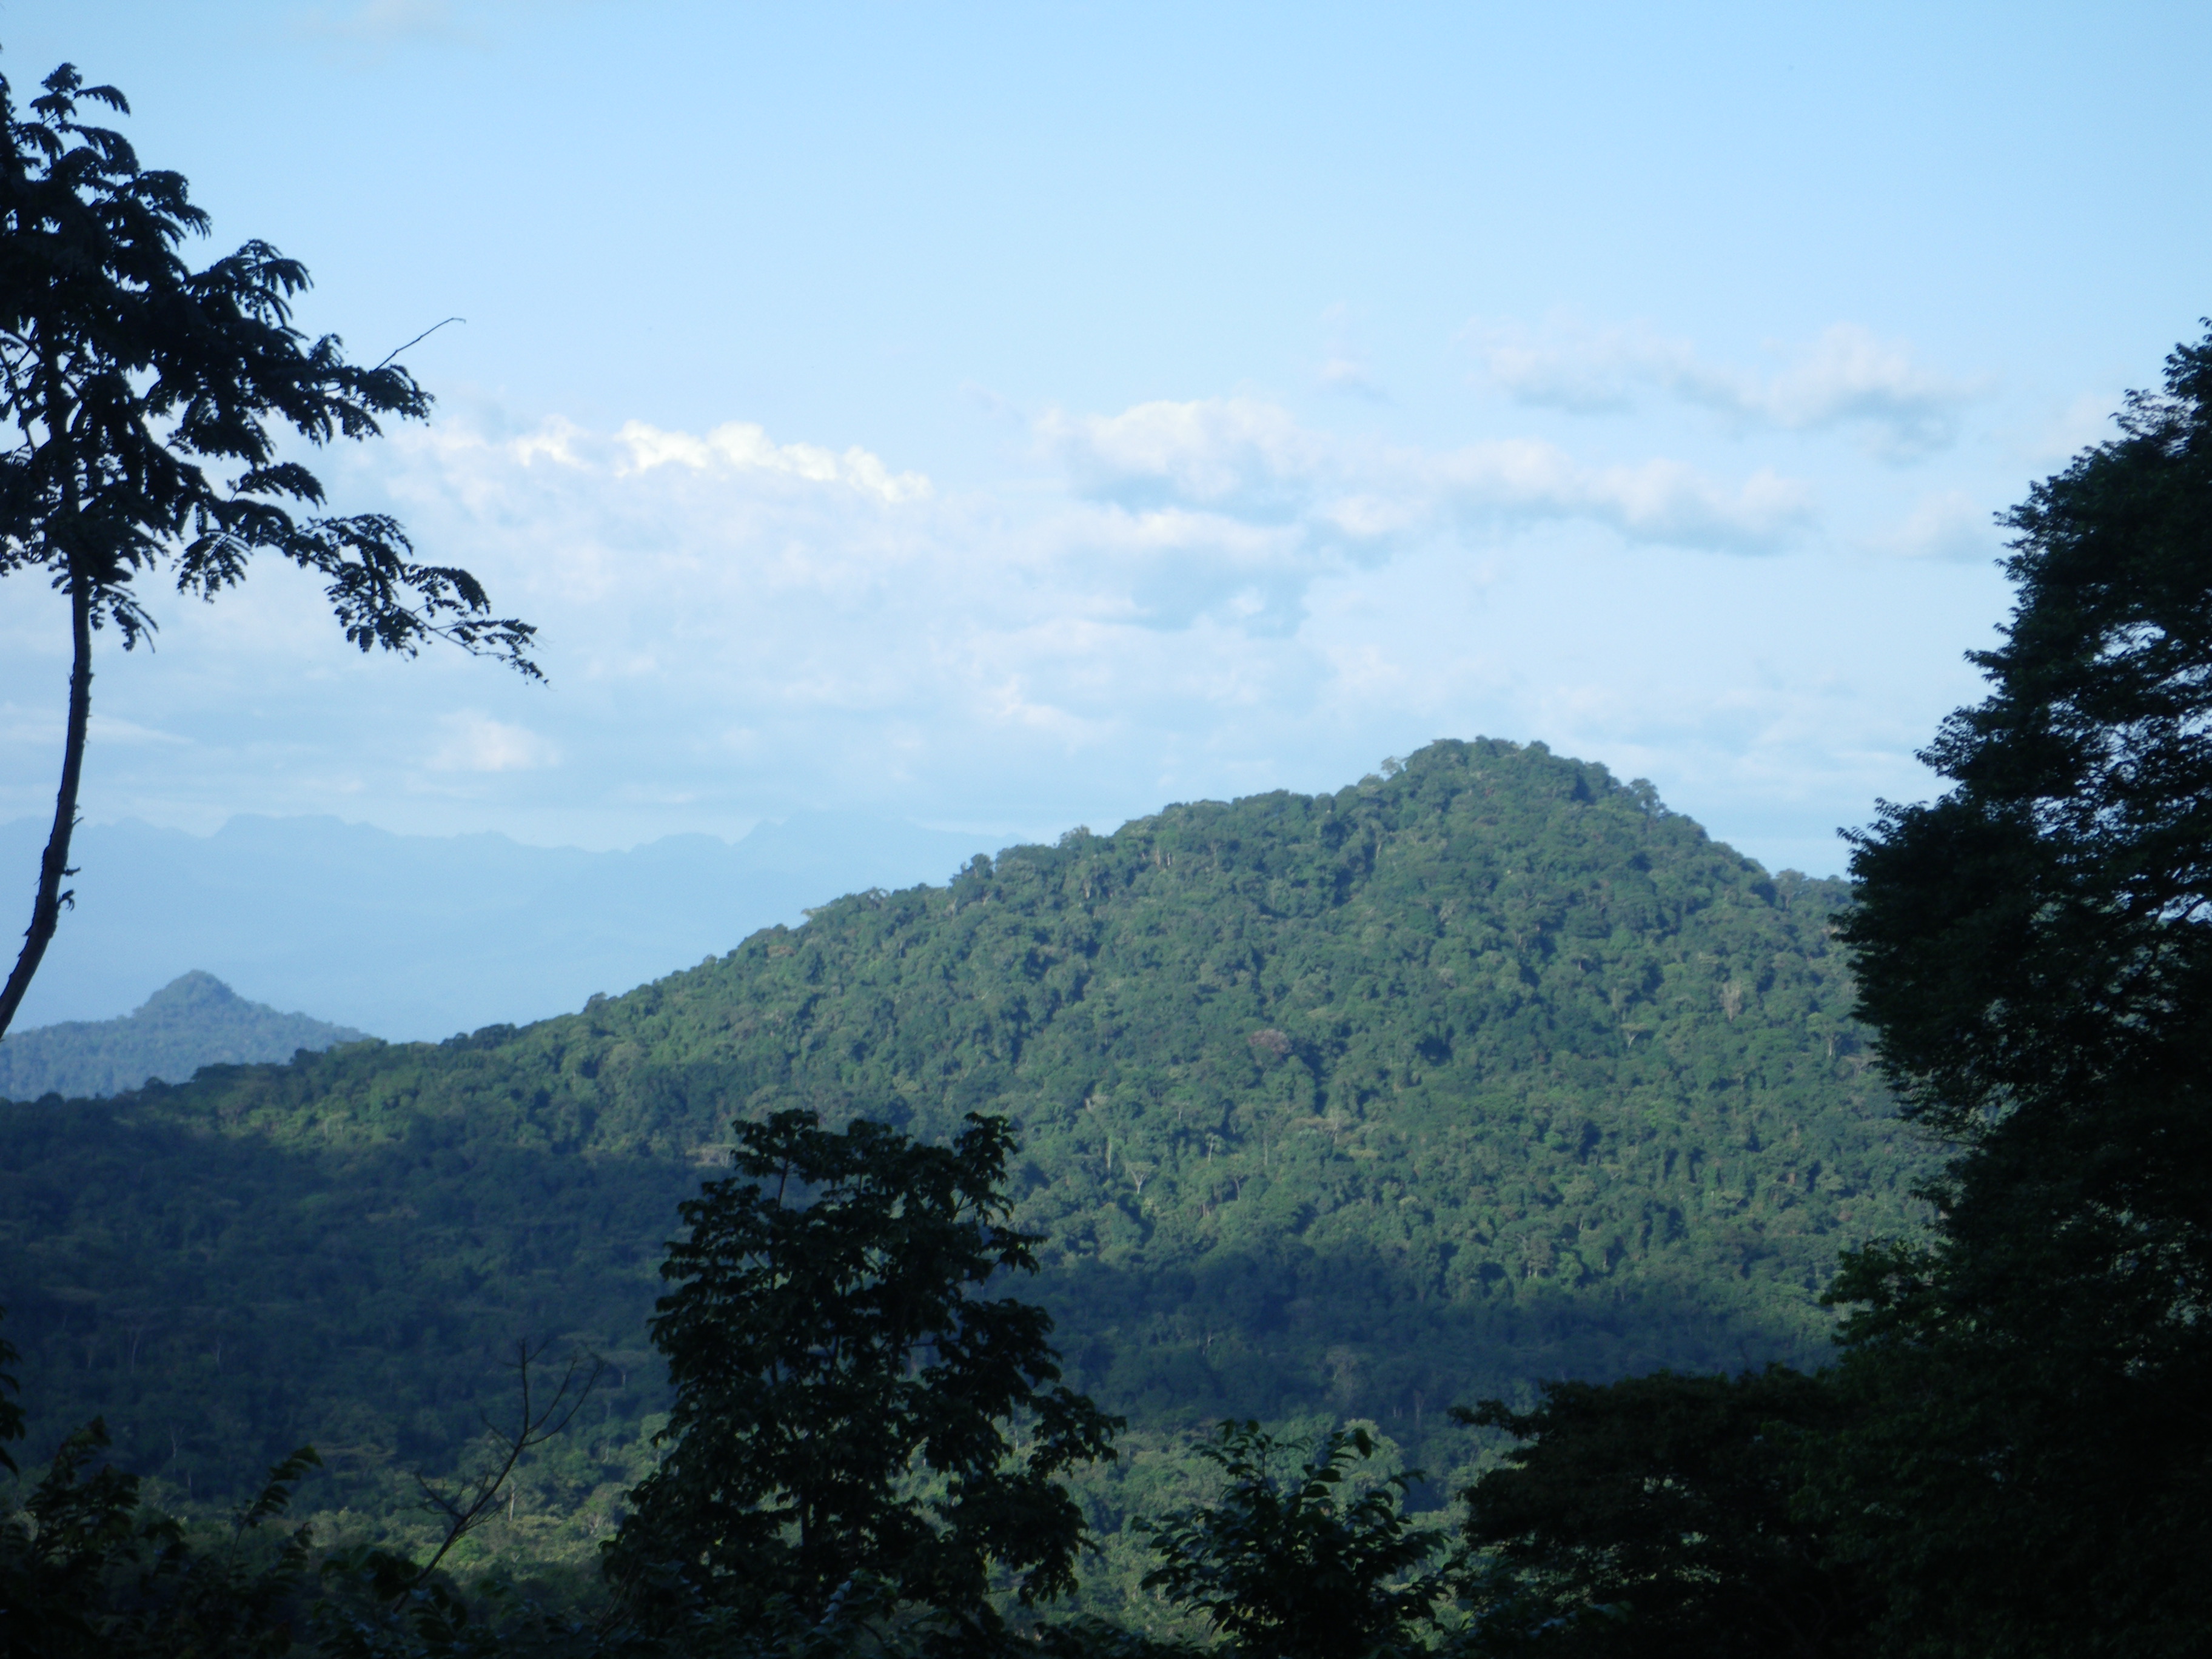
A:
(1005, 418)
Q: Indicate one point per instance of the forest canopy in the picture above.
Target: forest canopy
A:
(1347, 1105)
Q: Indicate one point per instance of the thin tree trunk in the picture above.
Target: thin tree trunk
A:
(53, 868)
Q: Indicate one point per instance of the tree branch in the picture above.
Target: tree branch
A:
(468, 1509)
(418, 339)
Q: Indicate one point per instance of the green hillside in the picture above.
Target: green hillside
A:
(194, 1020)
(1356, 1104)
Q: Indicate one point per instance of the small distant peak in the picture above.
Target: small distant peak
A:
(198, 989)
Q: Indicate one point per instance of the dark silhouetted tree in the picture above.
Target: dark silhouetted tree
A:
(851, 1411)
(2033, 1470)
(1657, 1518)
(127, 375)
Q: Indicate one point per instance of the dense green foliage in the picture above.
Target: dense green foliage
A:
(194, 1020)
(1464, 1078)
(1303, 1562)
(1662, 1518)
(2037, 954)
(856, 1397)
(86, 1573)
(1350, 1105)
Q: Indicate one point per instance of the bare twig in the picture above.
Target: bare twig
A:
(468, 1508)
(419, 338)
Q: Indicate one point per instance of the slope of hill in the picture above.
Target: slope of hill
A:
(194, 1020)
(1358, 1104)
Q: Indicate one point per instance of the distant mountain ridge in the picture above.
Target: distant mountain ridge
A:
(418, 937)
(194, 1020)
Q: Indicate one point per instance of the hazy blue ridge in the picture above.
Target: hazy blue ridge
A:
(194, 1020)
(417, 937)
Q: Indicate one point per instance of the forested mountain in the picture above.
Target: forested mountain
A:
(1358, 1104)
(194, 1020)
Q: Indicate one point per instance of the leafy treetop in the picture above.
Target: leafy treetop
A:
(1307, 1563)
(125, 371)
(126, 374)
(2047, 924)
(847, 1397)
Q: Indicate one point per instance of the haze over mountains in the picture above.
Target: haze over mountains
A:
(418, 937)
(194, 1020)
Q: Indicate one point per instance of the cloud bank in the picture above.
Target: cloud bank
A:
(1847, 378)
(1175, 598)
(1251, 461)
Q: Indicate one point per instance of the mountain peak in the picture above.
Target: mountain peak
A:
(195, 991)
(194, 1020)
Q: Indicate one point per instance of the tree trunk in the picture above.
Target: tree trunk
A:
(53, 868)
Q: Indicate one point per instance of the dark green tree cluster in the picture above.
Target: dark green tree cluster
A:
(89, 1568)
(1662, 1516)
(865, 1448)
(864, 1459)
(87, 1572)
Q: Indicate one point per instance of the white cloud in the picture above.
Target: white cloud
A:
(474, 742)
(41, 729)
(1949, 525)
(741, 446)
(903, 639)
(1655, 501)
(2085, 421)
(1187, 597)
(1344, 367)
(105, 728)
(1341, 372)
(1207, 450)
(1242, 457)
(1847, 377)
